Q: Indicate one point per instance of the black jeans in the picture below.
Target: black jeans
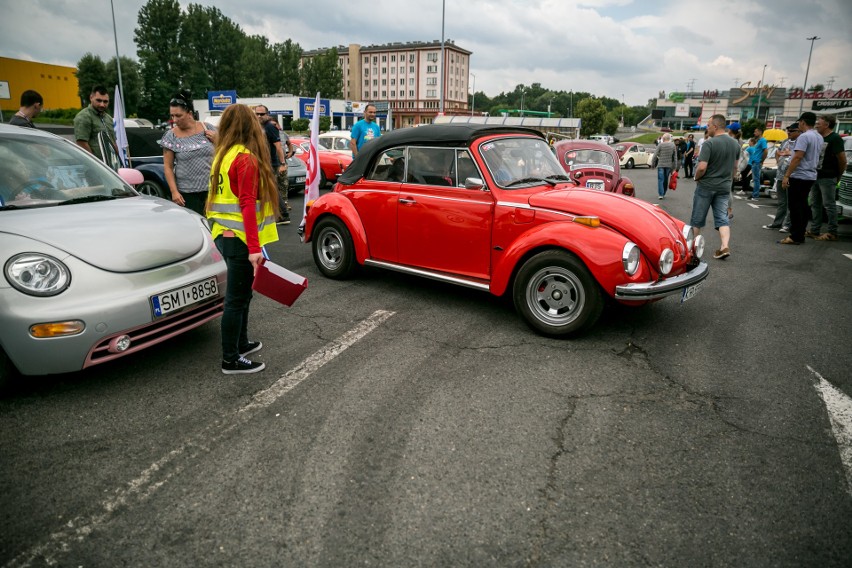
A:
(196, 201)
(687, 167)
(797, 202)
(237, 296)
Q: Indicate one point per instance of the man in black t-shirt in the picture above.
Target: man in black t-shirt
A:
(279, 158)
(832, 164)
(31, 104)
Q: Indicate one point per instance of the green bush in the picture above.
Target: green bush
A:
(300, 124)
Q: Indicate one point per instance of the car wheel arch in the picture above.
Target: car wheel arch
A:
(343, 210)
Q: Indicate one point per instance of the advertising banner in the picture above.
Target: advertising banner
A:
(220, 100)
(681, 109)
(306, 107)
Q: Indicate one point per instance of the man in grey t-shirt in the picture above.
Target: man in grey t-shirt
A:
(717, 164)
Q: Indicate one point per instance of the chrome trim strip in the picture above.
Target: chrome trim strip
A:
(516, 205)
(429, 274)
(667, 287)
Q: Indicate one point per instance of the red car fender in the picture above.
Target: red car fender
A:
(599, 248)
(338, 206)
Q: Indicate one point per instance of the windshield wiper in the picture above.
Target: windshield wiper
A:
(87, 199)
(559, 176)
(530, 180)
(6, 207)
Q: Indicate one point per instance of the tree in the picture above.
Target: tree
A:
(130, 79)
(91, 71)
(258, 72)
(288, 56)
(157, 45)
(592, 114)
(211, 50)
(610, 125)
(322, 74)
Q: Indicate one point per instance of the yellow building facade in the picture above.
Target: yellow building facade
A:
(57, 84)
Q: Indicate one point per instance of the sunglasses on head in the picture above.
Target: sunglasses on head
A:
(178, 102)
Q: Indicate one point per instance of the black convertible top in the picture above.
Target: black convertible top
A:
(429, 135)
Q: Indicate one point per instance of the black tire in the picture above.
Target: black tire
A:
(556, 294)
(334, 253)
(630, 163)
(152, 188)
(323, 179)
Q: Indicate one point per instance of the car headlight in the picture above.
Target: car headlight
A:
(630, 258)
(37, 274)
(666, 261)
(689, 235)
(698, 249)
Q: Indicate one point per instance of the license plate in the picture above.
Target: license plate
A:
(175, 300)
(689, 292)
(300, 179)
(599, 185)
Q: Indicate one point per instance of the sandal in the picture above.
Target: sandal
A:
(788, 241)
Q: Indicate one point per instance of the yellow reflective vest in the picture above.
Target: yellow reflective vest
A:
(224, 210)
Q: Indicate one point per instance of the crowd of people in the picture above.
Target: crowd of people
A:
(810, 163)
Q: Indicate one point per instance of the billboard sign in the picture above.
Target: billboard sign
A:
(220, 100)
(306, 107)
(681, 109)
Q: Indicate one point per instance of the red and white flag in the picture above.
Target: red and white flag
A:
(313, 180)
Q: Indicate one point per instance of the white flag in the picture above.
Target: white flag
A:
(118, 127)
(313, 180)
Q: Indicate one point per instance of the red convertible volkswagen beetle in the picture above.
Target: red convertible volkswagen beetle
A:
(490, 208)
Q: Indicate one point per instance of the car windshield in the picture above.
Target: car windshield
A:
(585, 158)
(40, 171)
(516, 162)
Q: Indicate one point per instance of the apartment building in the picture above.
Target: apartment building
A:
(406, 76)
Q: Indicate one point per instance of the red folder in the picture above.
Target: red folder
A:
(278, 283)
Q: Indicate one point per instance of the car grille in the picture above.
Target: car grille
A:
(845, 191)
(595, 173)
(155, 332)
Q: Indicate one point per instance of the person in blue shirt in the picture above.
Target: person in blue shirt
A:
(757, 155)
(364, 130)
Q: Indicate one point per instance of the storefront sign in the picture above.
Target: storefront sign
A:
(820, 104)
(764, 91)
(827, 94)
(220, 100)
(306, 107)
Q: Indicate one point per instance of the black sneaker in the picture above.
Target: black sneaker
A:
(283, 221)
(251, 347)
(242, 366)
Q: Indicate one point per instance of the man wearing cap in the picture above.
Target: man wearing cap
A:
(832, 164)
(800, 176)
(782, 213)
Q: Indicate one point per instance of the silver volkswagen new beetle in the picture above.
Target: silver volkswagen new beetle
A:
(92, 270)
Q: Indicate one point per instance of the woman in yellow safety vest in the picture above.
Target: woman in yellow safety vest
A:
(242, 205)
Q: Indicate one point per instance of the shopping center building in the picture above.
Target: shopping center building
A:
(777, 106)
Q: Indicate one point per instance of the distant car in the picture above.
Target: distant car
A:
(92, 270)
(489, 208)
(138, 123)
(337, 141)
(297, 173)
(593, 165)
(605, 138)
(631, 155)
(332, 164)
(844, 188)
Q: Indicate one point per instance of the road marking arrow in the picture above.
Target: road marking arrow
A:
(839, 407)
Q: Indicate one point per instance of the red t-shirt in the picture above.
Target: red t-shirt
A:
(243, 176)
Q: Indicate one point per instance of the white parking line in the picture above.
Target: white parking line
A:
(168, 466)
(839, 407)
(849, 256)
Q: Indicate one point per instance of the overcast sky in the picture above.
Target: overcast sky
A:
(615, 48)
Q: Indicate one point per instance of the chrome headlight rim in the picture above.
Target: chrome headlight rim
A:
(37, 274)
(630, 256)
(689, 236)
(666, 261)
(698, 247)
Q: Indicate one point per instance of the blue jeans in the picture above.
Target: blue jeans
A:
(702, 200)
(237, 296)
(755, 180)
(663, 180)
(824, 194)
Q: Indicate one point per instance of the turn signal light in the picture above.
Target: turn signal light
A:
(57, 329)
(588, 221)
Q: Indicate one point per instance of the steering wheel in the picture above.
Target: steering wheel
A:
(39, 188)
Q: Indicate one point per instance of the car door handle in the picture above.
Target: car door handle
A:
(407, 200)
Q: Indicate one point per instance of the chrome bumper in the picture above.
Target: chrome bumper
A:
(663, 288)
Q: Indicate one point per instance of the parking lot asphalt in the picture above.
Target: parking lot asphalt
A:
(406, 422)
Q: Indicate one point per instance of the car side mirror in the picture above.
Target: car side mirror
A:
(131, 176)
(475, 183)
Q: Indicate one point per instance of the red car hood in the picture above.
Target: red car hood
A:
(649, 227)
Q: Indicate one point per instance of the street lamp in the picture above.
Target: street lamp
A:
(571, 108)
(760, 93)
(523, 92)
(622, 110)
(805, 86)
(473, 98)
